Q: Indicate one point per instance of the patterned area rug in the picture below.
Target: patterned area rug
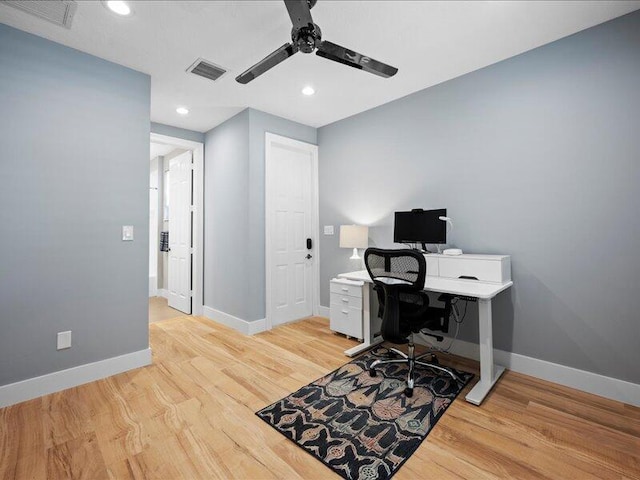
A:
(364, 427)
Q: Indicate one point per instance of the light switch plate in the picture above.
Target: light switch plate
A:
(127, 233)
(64, 340)
(328, 229)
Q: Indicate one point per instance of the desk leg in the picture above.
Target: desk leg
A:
(369, 339)
(489, 373)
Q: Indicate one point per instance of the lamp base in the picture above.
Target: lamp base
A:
(355, 255)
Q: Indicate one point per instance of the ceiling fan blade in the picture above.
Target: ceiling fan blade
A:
(270, 61)
(354, 59)
(299, 13)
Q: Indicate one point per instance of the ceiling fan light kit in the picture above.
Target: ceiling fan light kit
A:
(306, 37)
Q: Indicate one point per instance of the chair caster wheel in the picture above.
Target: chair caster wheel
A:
(372, 372)
(408, 392)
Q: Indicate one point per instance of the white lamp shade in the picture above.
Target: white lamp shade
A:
(354, 236)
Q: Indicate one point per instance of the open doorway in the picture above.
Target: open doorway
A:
(175, 227)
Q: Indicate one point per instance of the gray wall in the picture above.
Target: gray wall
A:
(226, 211)
(538, 157)
(234, 280)
(183, 133)
(74, 152)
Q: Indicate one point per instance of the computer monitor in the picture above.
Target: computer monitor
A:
(420, 226)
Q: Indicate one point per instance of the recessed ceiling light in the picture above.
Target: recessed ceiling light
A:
(182, 110)
(119, 7)
(308, 90)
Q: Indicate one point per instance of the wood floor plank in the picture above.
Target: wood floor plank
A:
(191, 415)
(435, 462)
(65, 418)
(593, 430)
(22, 444)
(79, 459)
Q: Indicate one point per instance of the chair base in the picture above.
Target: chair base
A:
(413, 361)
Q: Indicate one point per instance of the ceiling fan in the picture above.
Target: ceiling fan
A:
(306, 37)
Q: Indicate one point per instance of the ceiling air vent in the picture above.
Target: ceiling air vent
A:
(206, 69)
(59, 12)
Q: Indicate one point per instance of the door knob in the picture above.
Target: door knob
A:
(308, 256)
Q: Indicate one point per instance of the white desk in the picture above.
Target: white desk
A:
(483, 291)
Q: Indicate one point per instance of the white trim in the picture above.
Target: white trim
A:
(153, 286)
(597, 384)
(324, 311)
(72, 377)
(164, 293)
(315, 222)
(257, 326)
(315, 228)
(242, 326)
(197, 273)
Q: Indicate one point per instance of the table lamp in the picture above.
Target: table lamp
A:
(354, 236)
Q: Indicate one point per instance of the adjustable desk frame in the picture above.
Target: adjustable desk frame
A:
(484, 292)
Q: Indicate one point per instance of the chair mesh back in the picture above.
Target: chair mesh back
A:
(405, 265)
(398, 276)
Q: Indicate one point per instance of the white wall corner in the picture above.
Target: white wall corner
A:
(324, 311)
(163, 292)
(589, 382)
(257, 326)
(72, 377)
(243, 326)
(153, 289)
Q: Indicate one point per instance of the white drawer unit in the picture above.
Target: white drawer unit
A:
(341, 287)
(485, 268)
(346, 301)
(346, 307)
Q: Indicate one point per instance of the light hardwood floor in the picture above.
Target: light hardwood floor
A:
(160, 310)
(191, 415)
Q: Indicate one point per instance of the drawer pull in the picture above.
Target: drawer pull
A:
(345, 289)
(345, 311)
(345, 300)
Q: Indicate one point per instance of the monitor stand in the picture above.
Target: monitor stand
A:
(426, 250)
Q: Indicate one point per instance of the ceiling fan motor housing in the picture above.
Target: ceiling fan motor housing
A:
(308, 38)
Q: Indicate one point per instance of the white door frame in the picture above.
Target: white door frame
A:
(197, 272)
(271, 138)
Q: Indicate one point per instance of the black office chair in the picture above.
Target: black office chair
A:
(398, 276)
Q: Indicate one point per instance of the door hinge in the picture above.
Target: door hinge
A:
(192, 250)
(191, 293)
(192, 208)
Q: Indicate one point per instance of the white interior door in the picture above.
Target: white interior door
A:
(153, 229)
(290, 189)
(180, 186)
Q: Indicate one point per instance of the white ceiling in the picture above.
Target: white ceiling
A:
(429, 41)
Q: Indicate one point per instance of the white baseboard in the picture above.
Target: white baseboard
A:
(257, 326)
(71, 377)
(597, 384)
(163, 293)
(324, 311)
(242, 326)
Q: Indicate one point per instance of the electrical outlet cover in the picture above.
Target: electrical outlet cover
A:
(64, 340)
(127, 233)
